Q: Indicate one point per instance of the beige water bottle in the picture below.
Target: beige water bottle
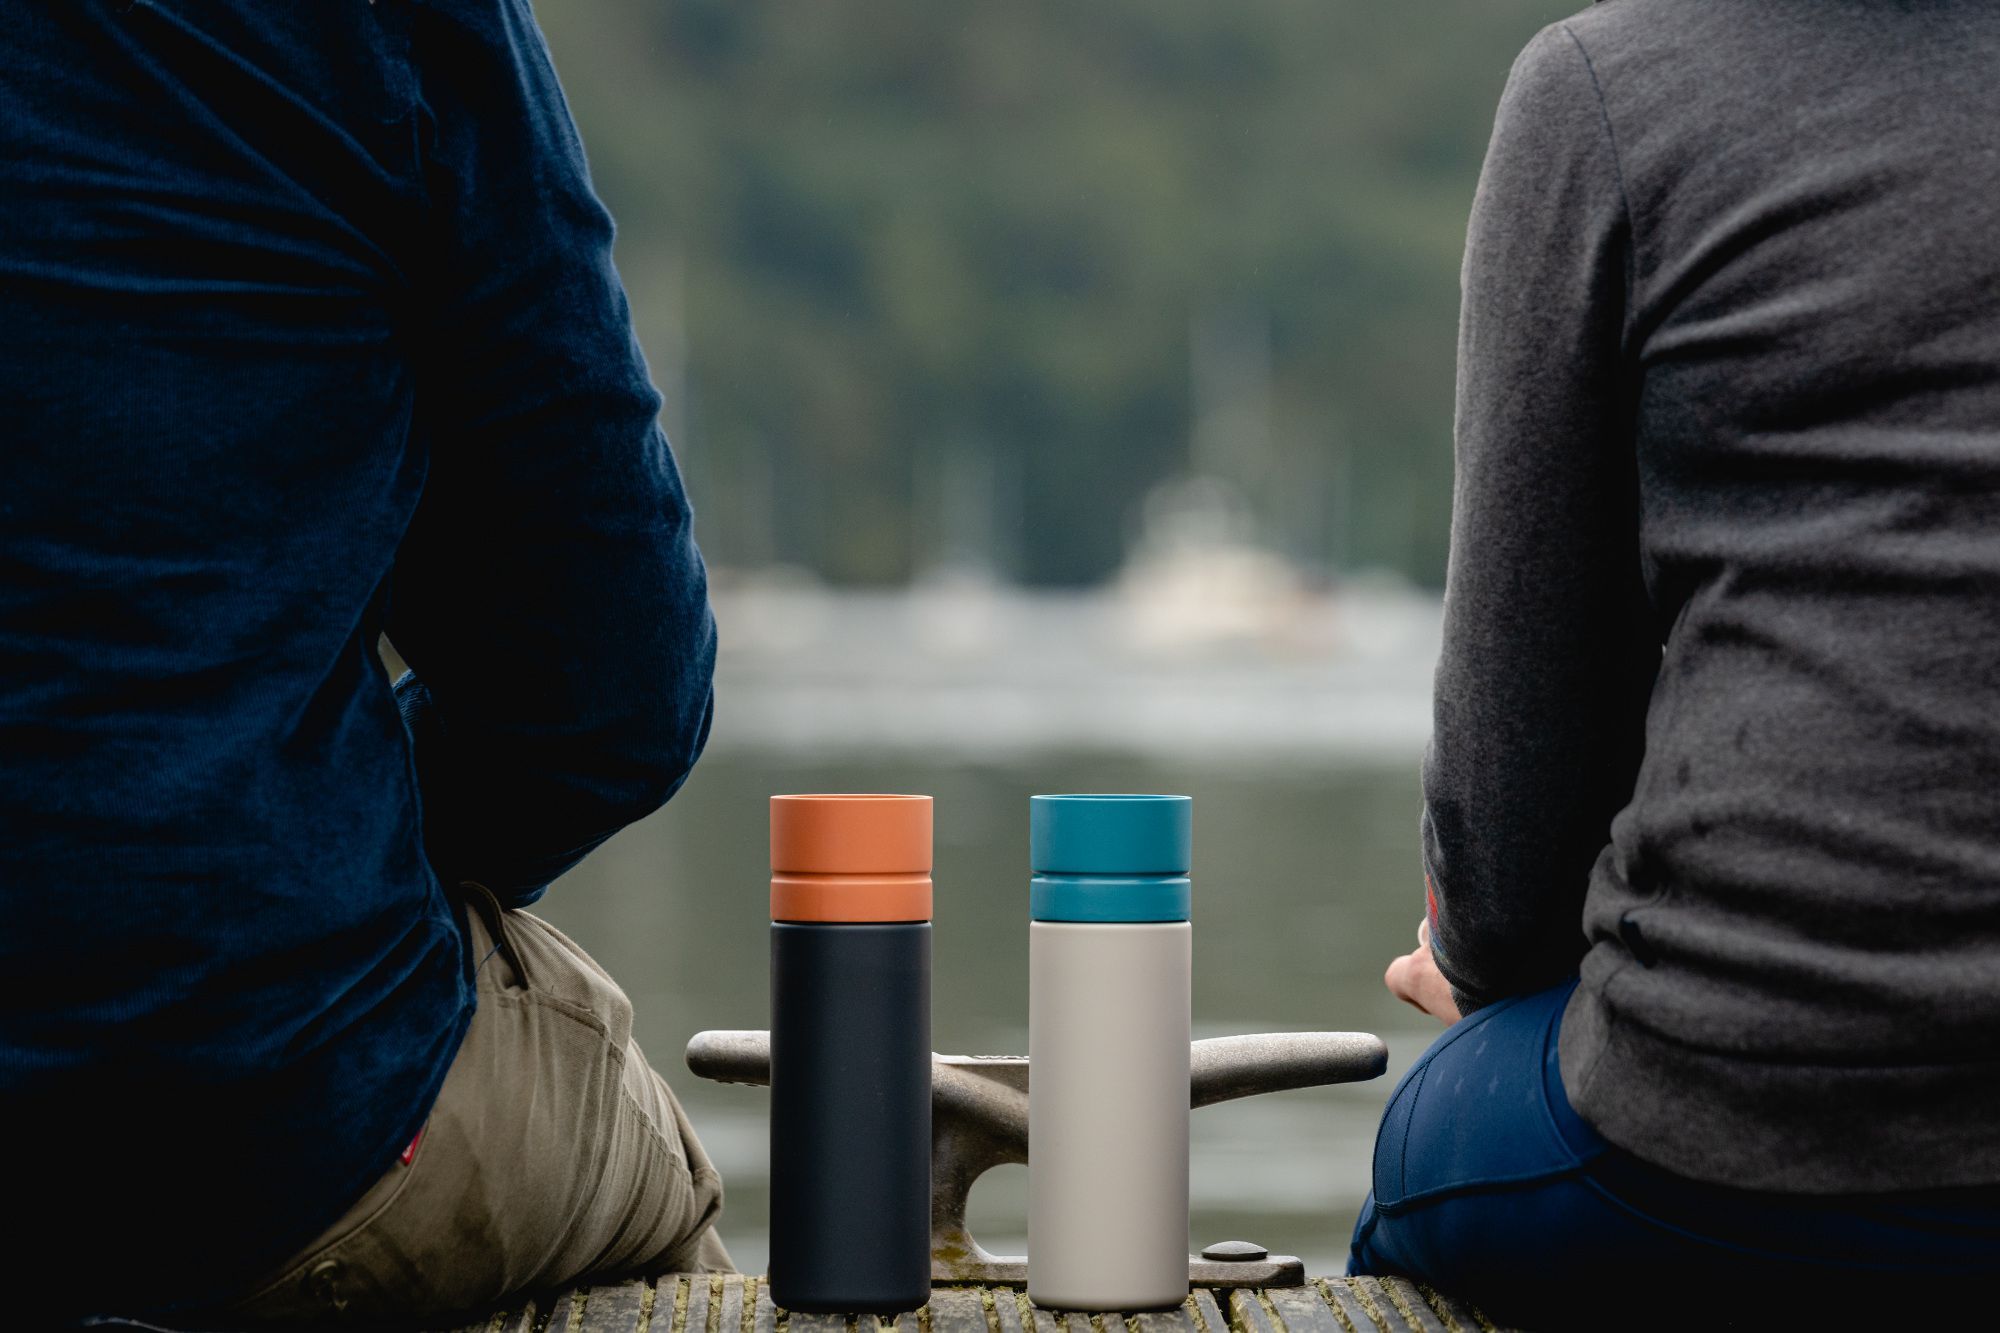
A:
(1110, 951)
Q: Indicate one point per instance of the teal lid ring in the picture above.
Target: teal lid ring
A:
(1110, 857)
(1107, 898)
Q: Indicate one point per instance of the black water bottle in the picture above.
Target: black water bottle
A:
(850, 1053)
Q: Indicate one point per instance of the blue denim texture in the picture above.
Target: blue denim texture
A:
(309, 332)
(1489, 1186)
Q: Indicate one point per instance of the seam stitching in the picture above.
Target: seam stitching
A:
(1618, 175)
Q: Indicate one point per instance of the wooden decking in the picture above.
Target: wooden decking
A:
(716, 1304)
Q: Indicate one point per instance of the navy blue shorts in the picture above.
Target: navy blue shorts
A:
(1490, 1187)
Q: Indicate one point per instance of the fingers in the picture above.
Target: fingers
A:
(1398, 977)
(1414, 979)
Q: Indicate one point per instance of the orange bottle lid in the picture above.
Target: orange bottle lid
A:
(856, 857)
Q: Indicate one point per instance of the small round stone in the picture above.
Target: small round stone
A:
(1236, 1252)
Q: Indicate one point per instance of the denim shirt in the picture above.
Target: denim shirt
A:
(309, 333)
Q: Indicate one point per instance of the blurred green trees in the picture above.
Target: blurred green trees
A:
(925, 279)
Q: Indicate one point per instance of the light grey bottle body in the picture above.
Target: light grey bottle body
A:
(1108, 1026)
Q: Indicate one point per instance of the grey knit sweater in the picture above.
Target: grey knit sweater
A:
(1718, 715)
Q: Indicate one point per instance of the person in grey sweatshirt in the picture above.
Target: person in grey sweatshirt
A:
(1712, 807)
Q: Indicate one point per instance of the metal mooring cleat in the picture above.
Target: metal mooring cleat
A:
(979, 1120)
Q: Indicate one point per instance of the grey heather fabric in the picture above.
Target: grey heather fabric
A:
(1721, 675)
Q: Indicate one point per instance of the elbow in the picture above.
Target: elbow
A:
(665, 732)
(658, 769)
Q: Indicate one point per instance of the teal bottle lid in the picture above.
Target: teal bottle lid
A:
(1112, 857)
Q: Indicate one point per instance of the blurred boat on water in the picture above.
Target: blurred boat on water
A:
(1229, 655)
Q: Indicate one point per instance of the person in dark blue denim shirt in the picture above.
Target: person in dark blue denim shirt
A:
(309, 333)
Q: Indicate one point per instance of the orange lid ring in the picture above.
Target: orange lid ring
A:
(850, 857)
(850, 898)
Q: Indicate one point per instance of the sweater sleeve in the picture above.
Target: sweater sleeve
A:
(1549, 648)
(549, 594)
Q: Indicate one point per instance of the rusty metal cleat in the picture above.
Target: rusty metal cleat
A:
(979, 1120)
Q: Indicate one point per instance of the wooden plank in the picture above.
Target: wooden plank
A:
(1402, 1294)
(958, 1310)
(1302, 1309)
(1349, 1305)
(614, 1309)
(669, 1312)
(802, 1322)
(757, 1293)
(535, 1316)
(567, 1311)
(1208, 1316)
(699, 1298)
(1177, 1320)
(1010, 1310)
(1453, 1313)
(729, 1317)
(514, 1319)
(718, 1303)
(1249, 1315)
(909, 1321)
(1051, 1321)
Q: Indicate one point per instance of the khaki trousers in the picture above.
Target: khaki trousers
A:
(554, 1155)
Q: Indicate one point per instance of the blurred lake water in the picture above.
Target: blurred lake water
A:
(1306, 883)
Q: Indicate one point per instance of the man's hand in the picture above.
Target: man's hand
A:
(1415, 980)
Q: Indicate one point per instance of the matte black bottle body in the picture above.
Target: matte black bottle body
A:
(850, 1116)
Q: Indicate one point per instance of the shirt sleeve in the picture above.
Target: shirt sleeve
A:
(549, 596)
(1549, 647)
